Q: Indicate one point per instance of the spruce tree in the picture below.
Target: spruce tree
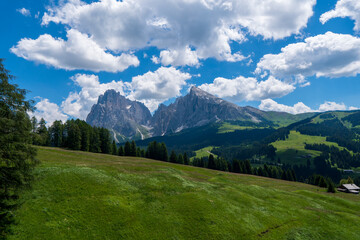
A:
(186, 159)
(133, 149)
(114, 148)
(180, 159)
(173, 157)
(330, 186)
(17, 156)
(127, 149)
(211, 162)
(121, 151)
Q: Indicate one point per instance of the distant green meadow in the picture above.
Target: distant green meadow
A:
(79, 195)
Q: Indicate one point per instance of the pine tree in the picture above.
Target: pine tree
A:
(163, 152)
(95, 140)
(17, 156)
(133, 149)
(330, 186)
(186, 159)
(105, 141)
(114, 148)
(180, 159)
(127, 149)
(121, 151)
(173, 157)
(56, 134)
(211, 162)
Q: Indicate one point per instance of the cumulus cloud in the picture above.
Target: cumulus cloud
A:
(78, 104)
(179, 57)
(248, 89)
(329, 55)
(24, 11)
(78, 52)
(331, 106)
(185, 31)
(153, 88)
(344, 8)
(48, 111)
(271, 105)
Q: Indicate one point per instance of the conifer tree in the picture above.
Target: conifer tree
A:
(17, 156)
(127, 149)
(173, 157)
(163, 152)
(186, 159)
(114, 148)
(121, 151)
(330, 186)
(133, 149)
(211, 162)
(180, 159)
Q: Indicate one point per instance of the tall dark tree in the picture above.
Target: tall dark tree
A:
(173, 157)
(17, 156)
(105, 141)
(121, 151)
(186, 159)
(133, 149)
(163, 153)
(211, 163)
(56, 134)
(127, 149)
(95, 140)
(114, 148)
(180, 159)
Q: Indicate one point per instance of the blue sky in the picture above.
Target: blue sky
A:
(294, 56)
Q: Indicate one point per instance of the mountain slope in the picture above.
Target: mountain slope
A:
(199, 108)
(121, 115)
(78, 195)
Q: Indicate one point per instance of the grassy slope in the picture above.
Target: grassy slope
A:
(204, 152)
(80, 195)
(292, 150)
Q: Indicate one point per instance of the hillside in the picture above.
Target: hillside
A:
(78, 195)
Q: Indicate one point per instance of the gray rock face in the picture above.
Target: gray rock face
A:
(125, 117)
(199, 108)
(132, 120)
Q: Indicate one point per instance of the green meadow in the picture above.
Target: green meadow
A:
(80, 195)
(292, 150)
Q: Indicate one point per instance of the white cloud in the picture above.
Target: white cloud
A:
(248, 89)
(331, 106)
(207, 27)
(78, 52)
(48, 111)
(353, 108)
(78, 104)
(329, 55)
(271, 105)
(24, 11)
(344, 8)
(179, 57)
(153, 88)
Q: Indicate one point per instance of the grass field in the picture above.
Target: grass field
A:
(204, 152)
(292, 150)
(228, 127)
(79, 195)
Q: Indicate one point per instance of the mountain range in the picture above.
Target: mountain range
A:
(129, 119)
